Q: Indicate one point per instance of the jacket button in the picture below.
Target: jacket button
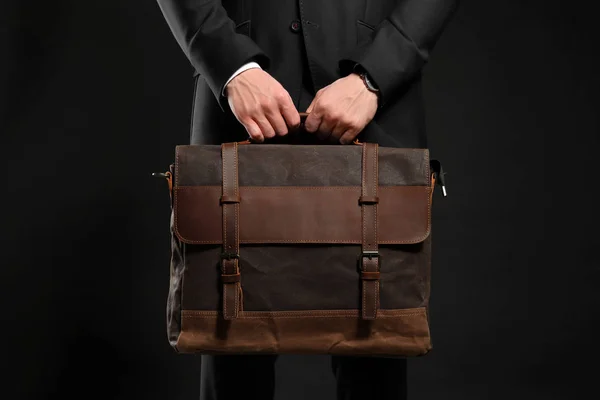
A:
(295, 26)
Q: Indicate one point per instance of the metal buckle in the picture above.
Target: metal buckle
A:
(369, 254)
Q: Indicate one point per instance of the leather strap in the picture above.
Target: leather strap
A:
(231, 245)
(369, 258)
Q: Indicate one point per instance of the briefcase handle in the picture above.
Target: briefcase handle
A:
(303, 116)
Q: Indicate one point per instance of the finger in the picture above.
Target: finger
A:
(290, 114)
(325, 129)
(330, 121)
(313, 120)
(265, 127)
(254, 131)
(277, 122)
(349, 135)
(337, 132)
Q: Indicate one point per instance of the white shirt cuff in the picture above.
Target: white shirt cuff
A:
(239, 71)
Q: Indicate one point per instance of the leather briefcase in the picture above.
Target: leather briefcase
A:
(303, 249)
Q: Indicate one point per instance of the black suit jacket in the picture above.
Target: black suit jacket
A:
(391, 39)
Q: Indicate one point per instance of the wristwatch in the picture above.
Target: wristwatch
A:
(360, 71)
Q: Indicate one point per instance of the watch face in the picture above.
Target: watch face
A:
(369, 83)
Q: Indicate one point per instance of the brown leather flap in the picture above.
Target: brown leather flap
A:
(301, 214)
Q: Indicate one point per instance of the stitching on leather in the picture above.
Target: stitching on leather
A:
(225, 206)
(245, 316)
(365, 287)
(393, 313)
(305, 241)
(364, 296)
(224, 173)
(236, 227)
(353, 188)
(355, 242)
(375, 186)
(377, 290)
(318, 316)
(177, 166)
(175, 193)
(345, 312)
(370, 208)
(427, 166)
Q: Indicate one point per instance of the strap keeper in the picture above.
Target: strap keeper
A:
(230, 278)
(369, 276)
(229, 256)
(226, 199)
(368, 200)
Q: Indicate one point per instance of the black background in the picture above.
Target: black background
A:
(96, 94)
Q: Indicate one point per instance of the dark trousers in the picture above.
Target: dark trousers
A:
(233, 377)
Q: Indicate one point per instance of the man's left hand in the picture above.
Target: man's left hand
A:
(340, 111)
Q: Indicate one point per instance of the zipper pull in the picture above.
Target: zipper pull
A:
(167, 175)
(439, 173)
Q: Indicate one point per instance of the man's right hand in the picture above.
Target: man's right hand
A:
(261, 104)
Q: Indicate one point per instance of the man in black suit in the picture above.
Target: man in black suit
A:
(354, 66)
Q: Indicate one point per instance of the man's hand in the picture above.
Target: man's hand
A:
(261, 104)
(340, 111)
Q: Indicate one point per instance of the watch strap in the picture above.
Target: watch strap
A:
(360, 71)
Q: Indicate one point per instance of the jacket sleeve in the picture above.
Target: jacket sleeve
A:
(400, 44)
(209, 39)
